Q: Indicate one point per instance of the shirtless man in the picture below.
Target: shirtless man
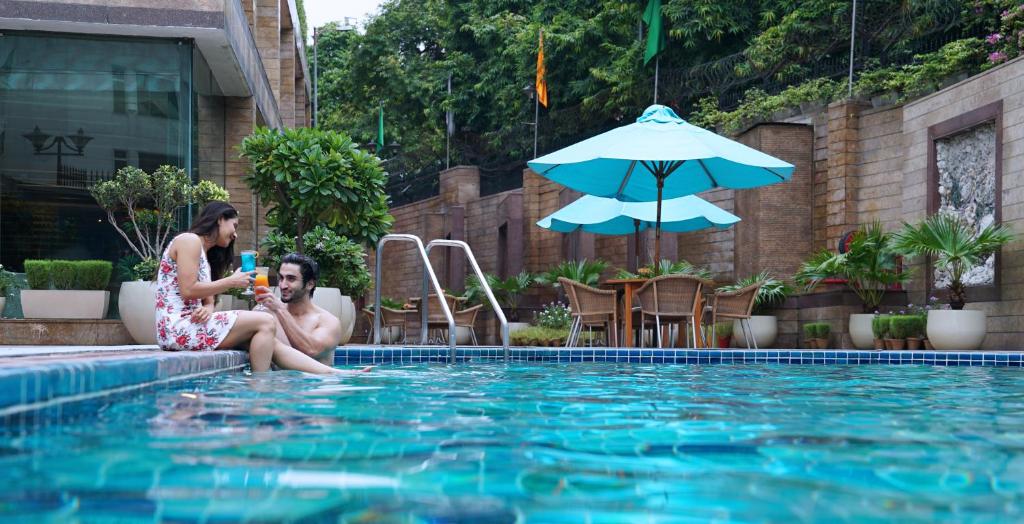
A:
(301, 324)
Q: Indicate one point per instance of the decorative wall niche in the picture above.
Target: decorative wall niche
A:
(965, 171)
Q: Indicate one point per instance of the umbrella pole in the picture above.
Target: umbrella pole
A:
(636, 242)
(657, 227)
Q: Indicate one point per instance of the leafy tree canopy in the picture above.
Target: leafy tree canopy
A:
(595, 72)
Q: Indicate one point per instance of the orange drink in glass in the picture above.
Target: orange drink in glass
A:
(261, 278)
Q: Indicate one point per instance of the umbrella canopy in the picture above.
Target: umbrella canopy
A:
(688, 159)
(607, 216)
(659, 156)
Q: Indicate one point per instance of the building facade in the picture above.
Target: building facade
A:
(89, 86)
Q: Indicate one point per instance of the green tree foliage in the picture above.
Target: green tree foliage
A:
(595, 72)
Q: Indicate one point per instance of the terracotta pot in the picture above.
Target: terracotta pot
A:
(823, 343)
(895, 344)
(879, 344)
(913, 343)
(928, 344)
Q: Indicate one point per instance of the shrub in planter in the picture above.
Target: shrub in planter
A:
(900, 327)
(771, 293)
(810, 335)
(723, 332)
(823, 333)
(78, 288)
(880, 330)
(583, 271)
(916, 331)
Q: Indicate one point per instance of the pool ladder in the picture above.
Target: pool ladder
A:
(430, 279)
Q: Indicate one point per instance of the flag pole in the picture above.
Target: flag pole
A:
(657, 62)
(448, 128)
(853, 36)
(536, 121)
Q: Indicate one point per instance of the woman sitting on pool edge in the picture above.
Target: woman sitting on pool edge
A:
(185, 320)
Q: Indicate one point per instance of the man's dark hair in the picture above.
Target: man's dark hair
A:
(308, 268)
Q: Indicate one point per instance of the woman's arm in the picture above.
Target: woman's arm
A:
(187, 249)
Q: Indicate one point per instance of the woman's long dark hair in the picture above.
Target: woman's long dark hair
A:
(207, 224)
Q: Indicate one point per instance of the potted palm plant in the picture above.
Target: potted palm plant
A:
(954, 247)
(764, 326)
(868, 267)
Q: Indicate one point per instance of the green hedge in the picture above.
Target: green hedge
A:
(68, 274)
(37, 272)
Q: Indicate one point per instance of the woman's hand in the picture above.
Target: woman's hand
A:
(241, 279)
(201, 314)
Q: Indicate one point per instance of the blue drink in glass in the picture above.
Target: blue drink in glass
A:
(249, 266)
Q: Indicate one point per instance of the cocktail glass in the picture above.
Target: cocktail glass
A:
(262, 279)
(249, 266)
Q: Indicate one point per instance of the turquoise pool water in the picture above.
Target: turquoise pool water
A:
(584, 442)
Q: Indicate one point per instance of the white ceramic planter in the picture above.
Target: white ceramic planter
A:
(341, 306)
(3, 304)
(59, 303)
(950, 330)
(137, 305)
(462, 336)
(860, 331)
(764, 327)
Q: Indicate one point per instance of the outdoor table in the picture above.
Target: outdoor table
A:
(630, 286)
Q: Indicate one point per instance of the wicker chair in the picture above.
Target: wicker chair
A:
(735, 305)
(436, 321)
(591, 307)
(670, 299)
(467, 318)
(390, 318)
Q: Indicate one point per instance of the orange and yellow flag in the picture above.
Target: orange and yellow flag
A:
(542, 85)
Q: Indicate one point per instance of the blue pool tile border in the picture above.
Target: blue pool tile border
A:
(37, 383)
(352, 355)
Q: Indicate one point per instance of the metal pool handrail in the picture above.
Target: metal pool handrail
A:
(483, 284)
(428, 272)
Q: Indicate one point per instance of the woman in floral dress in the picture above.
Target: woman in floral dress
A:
(185, 320)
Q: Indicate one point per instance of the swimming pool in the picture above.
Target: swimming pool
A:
(533, 442)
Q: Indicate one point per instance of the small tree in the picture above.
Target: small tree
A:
(309, 177)
(144, 207)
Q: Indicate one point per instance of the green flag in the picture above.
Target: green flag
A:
(655, 38)
(380, 130)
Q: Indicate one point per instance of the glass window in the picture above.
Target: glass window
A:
(73, 109)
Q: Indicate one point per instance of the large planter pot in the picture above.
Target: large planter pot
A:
(3, 304)
(860, 331)
(137, 305)
(54, 303)
(341, 306)
(764, 327)
(950, 330)
(462, 336)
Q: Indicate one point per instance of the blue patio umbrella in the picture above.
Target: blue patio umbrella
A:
(657, 157)
(608, 216)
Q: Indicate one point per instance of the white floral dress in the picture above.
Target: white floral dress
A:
(175, 330)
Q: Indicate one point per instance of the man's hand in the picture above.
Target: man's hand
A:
(201, 314)
(268, 300)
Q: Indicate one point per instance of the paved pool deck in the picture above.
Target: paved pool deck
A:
(33, 377)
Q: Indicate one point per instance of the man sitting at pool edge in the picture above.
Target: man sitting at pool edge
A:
(300, 323)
